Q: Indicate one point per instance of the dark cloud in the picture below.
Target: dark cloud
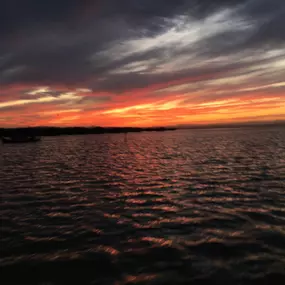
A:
(63, 42)
(17, 15)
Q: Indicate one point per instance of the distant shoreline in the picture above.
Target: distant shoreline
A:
(58, 131)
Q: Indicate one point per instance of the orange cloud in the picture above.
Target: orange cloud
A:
(150, 106)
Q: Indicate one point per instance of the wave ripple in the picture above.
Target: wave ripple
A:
(147, 208)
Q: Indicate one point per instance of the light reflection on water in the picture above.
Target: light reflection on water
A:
(158, 208)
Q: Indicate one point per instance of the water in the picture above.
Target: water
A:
(191, 206)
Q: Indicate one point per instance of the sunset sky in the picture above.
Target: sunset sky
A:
(141, 62)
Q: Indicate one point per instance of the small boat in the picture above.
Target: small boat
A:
(24, 139)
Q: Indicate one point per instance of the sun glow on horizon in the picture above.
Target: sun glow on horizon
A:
(68, 108)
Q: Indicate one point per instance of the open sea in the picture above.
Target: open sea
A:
(174, 207)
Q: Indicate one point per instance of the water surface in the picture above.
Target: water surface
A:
(183, 207)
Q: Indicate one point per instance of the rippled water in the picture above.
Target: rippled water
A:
(189, 206)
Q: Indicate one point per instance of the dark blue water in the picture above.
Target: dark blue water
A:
(183, 207)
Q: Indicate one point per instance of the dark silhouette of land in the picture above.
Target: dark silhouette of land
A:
(57, 131)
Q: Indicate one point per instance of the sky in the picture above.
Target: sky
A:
(141, 62)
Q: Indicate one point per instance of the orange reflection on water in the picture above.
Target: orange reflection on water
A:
(132, 279)
(108, 249)
(135, 201)
(159, 241)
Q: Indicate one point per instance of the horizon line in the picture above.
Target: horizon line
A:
(178, 126)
